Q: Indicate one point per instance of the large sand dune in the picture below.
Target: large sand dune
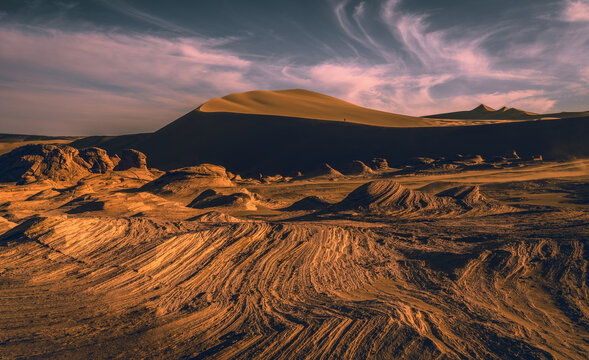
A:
(307, 104)
(253, 144)
(484, 112)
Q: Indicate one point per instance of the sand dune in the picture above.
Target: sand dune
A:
(307, 104)
(484, 112)
(252, 144)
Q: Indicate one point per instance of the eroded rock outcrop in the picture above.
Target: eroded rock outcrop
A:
(379, 164)
(324, 171)
(61, 163)
(357, 167)
(189, 180)
(131, 158)
(97, 159)
(386, 197)
(38, 162)
(308, 203)
(210, 199)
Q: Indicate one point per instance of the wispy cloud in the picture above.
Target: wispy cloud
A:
(124, 8)
(100, 81)
(576, 10)
(141, 72)
(431, 58)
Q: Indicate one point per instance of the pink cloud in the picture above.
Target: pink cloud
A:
(112, 79)
(576, 11)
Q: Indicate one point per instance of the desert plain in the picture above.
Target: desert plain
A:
(290, 224)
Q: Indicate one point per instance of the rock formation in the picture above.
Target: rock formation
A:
(189, 180)
(357, 167)
(386, 197)
(378, 164)
(98, 160)
(210, 198)
(131, 158)
(38, 162)
(308, 203)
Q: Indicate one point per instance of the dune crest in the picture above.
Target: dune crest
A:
(484, 112)
(307, 104)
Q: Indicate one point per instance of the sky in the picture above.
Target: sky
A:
(126, 66)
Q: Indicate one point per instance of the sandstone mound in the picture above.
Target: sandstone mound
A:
(97, 159)
(471, 199)
(189, 180)
(61, 163)
(439, 186)
(308, 203)
(210, 198)
(390, 198)
(216, 217)
(37, 162)
(121, 204)
(131, 158)
(324, 171)
(379, 164)
(357, 167)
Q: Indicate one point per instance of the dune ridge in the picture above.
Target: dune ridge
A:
(307, 104)
(484, 112)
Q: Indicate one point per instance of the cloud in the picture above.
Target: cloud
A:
(126, 73)
(576, 11)
(86, 82)
(585, 75)
(131, 11)
(500, 59)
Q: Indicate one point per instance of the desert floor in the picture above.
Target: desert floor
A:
(107, 269)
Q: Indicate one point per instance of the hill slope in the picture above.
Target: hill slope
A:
(310, 105)
(484, 112)
(250, 144)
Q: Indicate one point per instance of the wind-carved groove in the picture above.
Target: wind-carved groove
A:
(258, 289)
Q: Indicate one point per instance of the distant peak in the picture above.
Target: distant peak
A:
(503, 109)
(483, 107)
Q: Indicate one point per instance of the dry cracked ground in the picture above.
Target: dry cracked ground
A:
(481, 264)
